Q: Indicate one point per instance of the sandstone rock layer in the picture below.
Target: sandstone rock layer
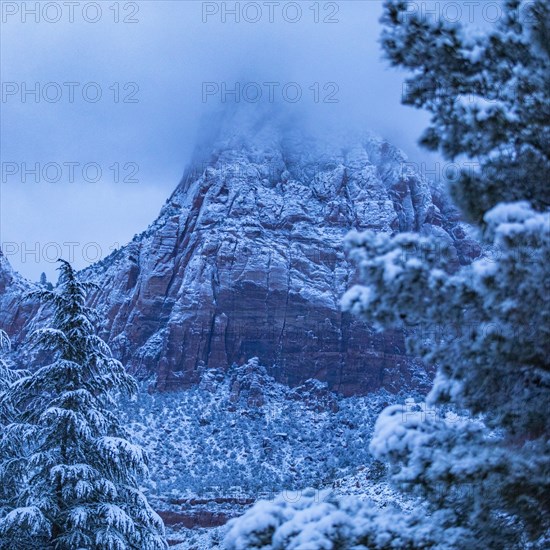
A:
(247, 259)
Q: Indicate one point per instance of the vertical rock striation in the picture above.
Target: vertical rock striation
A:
(247, 259)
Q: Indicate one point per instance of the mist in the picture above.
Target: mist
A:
(100, 118)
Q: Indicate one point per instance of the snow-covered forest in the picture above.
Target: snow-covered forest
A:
(311, 348)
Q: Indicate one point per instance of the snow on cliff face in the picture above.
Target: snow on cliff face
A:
(247, 259)
(14, 313)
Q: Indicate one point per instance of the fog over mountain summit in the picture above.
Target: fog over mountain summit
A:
(171, 54)
(247, 257)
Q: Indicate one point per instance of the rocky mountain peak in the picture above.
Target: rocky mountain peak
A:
(246, 259)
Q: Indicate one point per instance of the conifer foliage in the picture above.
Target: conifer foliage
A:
(7, 375)
(486, 325)
(79, 483)
(10, 443)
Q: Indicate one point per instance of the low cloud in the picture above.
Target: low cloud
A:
(126, 94)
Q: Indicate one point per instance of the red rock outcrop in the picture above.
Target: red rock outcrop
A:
(247, 259)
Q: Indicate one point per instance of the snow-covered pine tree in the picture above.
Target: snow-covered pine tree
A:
(487, 325)
(44, 283)
(81, 485)
(7, 375)
(12, 463)
(487, 93)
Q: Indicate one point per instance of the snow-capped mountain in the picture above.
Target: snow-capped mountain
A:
(247, 258)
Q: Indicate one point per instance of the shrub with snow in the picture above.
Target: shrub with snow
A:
(320, 520)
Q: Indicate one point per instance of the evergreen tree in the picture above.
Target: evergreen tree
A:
(7, 375)
(487, 325)
(488, 96)
(5, 380)
(81, 478)
(11, 443)
(44, 283)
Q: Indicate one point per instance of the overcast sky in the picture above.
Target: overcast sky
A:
(150, 68)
